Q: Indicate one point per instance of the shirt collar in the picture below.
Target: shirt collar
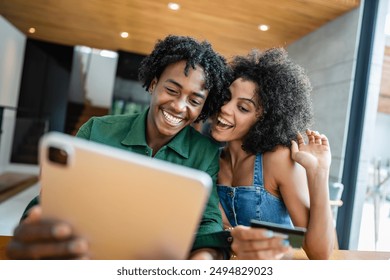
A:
(137, 136)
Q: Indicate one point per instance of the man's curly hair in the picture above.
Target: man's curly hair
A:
(177, 48)
(284, 96)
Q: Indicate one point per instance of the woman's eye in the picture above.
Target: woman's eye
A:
(243, 109)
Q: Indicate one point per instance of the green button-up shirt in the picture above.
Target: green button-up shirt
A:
(188, 148)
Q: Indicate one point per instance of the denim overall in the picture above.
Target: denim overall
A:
(243, 203)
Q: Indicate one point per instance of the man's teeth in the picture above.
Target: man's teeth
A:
(171, 118)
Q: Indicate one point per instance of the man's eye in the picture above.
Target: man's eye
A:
(171, 90)
(195, 102)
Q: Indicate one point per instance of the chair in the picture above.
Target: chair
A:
(335, 192)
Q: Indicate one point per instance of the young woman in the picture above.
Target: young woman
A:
(264, 174)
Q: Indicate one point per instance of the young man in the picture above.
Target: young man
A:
(186, 80)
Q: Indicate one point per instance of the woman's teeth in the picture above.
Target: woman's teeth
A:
(224, 123)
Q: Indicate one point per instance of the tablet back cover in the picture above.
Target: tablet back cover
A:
(127, 205)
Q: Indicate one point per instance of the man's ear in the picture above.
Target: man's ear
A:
(152, 85)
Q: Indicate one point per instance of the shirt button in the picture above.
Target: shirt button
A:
(230, 239)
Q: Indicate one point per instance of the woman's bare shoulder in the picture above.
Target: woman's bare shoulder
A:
(279, 155)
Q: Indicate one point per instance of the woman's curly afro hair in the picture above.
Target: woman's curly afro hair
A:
(284, 96)
(177, 48)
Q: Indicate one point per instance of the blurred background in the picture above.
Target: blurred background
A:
(62, 62)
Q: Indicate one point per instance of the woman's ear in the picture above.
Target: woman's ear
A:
(259, 113)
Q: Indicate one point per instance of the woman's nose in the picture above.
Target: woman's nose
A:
(226, 108)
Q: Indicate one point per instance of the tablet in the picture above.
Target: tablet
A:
(127, 205)
(295, 235)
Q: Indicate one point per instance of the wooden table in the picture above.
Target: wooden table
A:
(298, 254)
(12, 183)
(3, 243)
(348, 255)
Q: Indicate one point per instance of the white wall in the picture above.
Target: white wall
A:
(329, 57)
(12, 45)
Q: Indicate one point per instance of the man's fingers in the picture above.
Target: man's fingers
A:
(34, 214)
(77, 248)
(42, 231)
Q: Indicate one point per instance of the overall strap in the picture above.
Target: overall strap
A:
(258, 171)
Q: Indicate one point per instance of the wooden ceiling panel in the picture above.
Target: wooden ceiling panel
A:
(230, 25)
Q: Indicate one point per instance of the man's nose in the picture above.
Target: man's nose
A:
(180, 105)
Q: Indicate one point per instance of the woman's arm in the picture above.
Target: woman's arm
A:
(305, 191)
(315, 157)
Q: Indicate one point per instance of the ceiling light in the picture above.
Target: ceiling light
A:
(109, 54)
(173, 6)
(31, 30)
(124, 34)
(263, 27)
